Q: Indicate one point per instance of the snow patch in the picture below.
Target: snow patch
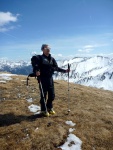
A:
(30, 100)
(34, 108)
(6, 76)
(2, 81)
(36, 129)
(72, 143)
(71, 130)
(70, 123)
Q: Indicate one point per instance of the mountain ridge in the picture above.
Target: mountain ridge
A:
(89, 71)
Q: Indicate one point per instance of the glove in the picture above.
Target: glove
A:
(37, 73)
(68, 70)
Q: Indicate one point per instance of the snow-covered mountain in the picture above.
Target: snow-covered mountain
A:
(94, 71)
(90, 71)
(20, 67)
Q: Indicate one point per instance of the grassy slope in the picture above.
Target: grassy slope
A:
(91, 110)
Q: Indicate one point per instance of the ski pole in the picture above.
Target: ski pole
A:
(68, 90)
(42, 92)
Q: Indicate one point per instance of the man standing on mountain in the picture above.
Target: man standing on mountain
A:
(44, 66)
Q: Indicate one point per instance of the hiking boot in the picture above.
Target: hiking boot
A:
(45, 114)
(51, 111)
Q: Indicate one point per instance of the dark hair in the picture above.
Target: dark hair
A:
(43, 46)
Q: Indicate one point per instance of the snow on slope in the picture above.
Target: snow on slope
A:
(20, 67)
(6, 76)
(93, 71)
(12, 64)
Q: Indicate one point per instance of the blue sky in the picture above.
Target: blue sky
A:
(70, 27)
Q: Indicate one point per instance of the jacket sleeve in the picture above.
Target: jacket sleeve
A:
(56, 68)
(35, 63)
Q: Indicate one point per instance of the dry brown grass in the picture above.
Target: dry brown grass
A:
(91, 110)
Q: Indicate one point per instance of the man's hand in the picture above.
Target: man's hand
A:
(68, 70)
(38, 73)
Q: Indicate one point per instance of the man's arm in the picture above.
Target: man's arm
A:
(56, 68)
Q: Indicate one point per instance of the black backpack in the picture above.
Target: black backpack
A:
(33, 63)
(40, 58)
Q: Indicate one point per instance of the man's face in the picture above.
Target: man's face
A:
(46, 50)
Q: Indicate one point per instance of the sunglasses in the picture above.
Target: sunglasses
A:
(47, 48)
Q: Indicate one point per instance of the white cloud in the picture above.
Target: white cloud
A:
(4, 29)
(5, 19)
(89, 46)
(86, 48)
(60, 55)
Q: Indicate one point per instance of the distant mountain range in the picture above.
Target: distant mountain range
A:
(20, 67)
(94, 71)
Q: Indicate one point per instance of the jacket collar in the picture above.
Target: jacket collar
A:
(49, 56)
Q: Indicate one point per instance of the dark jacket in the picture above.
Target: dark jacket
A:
(46, 65)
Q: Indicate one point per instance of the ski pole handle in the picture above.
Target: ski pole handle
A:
(68, 69)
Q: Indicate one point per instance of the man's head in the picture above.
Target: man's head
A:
(46, 49)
